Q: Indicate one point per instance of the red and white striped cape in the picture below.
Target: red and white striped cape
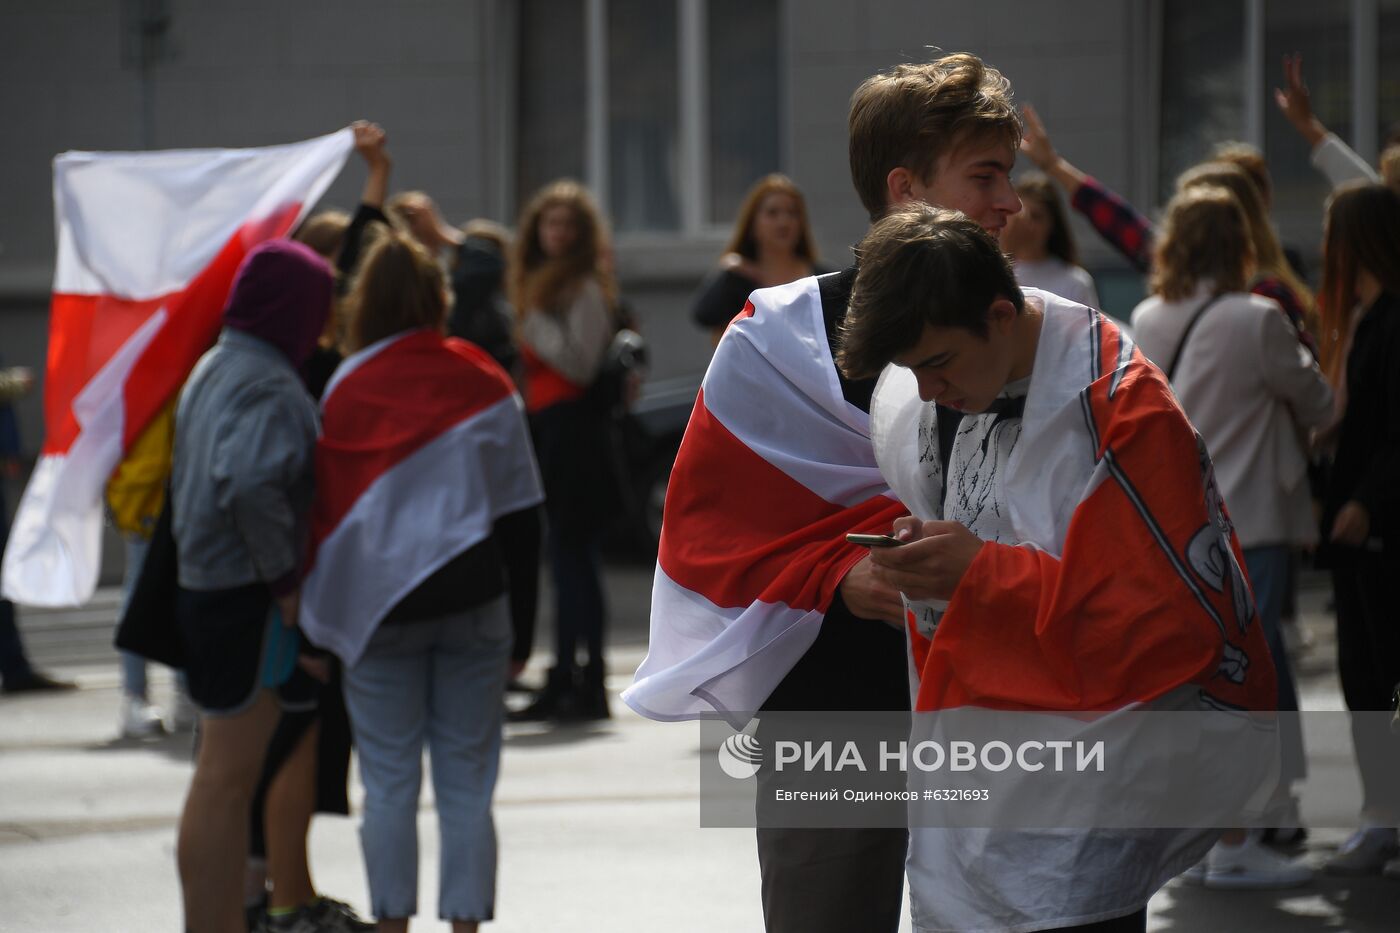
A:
(1123, 590)
(148, 244)
(423, 446)
(775, 468)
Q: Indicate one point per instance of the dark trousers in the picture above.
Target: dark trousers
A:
(572, 446)
(578, 594)
(13, 663)
(836, 880)
(1368, 661)
(1133, 923)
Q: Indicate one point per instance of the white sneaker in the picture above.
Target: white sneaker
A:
(139, 719)
(1253, 865)
(183, 715)
(1365, 852)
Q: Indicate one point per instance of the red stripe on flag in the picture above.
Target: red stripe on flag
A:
(393, 404)
(738, 530)
(86, 330)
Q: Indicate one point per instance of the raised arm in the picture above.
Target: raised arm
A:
(371, 143)
(1117, 221)
(1332, 157)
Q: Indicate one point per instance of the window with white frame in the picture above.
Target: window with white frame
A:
(667, 109)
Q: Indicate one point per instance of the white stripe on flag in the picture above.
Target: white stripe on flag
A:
(54, 551)
(703, 659)
(414, 518)
(774, 387)
(139, 225)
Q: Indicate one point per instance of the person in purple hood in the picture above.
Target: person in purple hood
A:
(245, 431)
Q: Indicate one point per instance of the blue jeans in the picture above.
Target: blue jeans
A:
(1268, 575)
(441, 683)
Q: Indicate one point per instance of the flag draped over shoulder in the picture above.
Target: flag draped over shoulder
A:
(775, 468)
(1127, 580)
(423, 446)
(148, 244)
(1121, 591)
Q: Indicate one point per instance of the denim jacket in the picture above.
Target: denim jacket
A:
(245, 433)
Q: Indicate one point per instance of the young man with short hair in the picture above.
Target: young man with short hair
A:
(759, 603)
(1067, 551)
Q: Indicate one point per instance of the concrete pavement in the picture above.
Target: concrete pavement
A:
(598, 825)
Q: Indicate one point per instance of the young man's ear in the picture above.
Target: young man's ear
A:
(1001, 314)
(899, 186)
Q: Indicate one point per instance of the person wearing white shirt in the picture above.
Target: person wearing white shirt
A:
(1253, 393)
(1041, 244)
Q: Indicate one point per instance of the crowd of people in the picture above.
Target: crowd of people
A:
(336, 531)
(356, 358)
(1030, 574)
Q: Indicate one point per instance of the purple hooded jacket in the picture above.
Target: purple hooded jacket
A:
(282, 294)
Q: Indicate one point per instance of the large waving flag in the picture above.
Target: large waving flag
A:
(776, 466)
(148, 243)
(423, 446)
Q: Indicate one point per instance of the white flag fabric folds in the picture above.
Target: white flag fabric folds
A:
(775, 468)
(148, 244)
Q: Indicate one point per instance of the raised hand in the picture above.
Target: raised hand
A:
(370, 141)
(1296, 102)
(1035, 142)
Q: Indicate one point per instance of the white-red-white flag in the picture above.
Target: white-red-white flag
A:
(148, 243)
(775, 468)
(423, 446)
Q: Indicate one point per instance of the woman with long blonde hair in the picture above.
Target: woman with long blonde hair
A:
(772, 244)
(1235, 365)
(564, 296)
(1273, 276)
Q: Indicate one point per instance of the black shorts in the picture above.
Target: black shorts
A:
(224, 635)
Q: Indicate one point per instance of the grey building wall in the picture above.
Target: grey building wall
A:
(438, 74)
(1076, 61)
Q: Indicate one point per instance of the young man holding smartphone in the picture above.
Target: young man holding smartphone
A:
(1065, 513)
(760, 604)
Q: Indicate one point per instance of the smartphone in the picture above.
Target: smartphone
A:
(874, 540)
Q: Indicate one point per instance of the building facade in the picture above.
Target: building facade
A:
(669, 109)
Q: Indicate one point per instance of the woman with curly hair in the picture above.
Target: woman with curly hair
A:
(564, 298)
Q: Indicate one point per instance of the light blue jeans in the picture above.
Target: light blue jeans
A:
(1268, 575)
(440, 683)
